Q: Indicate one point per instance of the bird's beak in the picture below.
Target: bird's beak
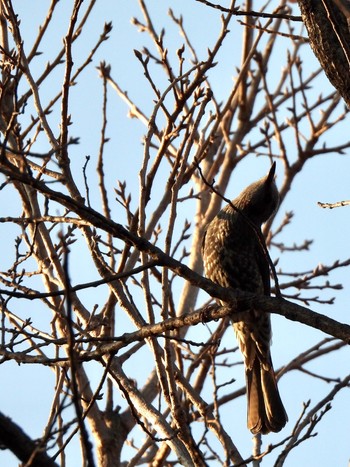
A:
(271, 175)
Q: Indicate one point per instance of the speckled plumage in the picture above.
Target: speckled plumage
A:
(233, 257)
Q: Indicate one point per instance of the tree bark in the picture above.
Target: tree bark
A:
(329, 35)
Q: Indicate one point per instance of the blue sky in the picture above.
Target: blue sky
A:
(322, 179)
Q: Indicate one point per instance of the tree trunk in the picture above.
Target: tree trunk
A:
(329, 36)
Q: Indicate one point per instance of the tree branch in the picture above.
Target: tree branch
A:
(12, 437)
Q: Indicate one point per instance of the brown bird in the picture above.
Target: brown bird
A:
(234, 257)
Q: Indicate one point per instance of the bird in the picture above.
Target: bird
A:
(234, 256)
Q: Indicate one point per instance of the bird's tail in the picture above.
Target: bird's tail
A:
(265, 408)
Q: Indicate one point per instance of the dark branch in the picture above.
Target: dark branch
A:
(12, 437)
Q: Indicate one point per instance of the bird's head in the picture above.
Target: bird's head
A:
(260, 199)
